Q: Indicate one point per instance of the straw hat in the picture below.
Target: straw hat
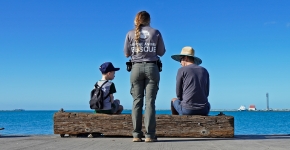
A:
(187, 51)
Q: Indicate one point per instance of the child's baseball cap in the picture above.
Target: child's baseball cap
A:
(107, 67)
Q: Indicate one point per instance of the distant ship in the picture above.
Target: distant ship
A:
(252, 108)
(242, 108)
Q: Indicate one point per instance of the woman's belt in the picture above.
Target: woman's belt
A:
(158, 63)
(146, 62)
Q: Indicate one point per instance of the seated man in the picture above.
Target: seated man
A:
(192, 85)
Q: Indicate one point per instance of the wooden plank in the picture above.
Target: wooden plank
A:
(121, 125)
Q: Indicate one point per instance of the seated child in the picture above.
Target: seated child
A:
(111, 106)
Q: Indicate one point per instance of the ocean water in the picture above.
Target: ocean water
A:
(246, 122)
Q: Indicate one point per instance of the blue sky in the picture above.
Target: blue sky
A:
(50, 50)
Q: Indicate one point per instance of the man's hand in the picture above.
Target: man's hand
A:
(173, 110)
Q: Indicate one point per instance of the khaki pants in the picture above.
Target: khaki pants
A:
(144, 79)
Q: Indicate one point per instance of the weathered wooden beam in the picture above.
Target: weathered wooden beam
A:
(121, 125)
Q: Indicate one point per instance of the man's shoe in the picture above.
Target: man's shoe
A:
(137, 140)
(150, 140)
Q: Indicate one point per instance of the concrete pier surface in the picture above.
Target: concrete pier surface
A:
(52, 142)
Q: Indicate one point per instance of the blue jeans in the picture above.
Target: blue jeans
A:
(183, 111)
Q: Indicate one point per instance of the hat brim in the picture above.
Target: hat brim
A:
(116, 69)
(177, 57)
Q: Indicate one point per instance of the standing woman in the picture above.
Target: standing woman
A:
(144, 44)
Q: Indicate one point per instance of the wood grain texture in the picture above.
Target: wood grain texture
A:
(121, 125)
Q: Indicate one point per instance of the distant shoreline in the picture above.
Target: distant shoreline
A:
(14, 110)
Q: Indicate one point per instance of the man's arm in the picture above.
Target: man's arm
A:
(207, 85)
(179, 82)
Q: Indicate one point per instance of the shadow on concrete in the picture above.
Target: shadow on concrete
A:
(237, 137)
(183, 139)
(192, 139)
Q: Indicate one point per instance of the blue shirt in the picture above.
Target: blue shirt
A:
(192, 87)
